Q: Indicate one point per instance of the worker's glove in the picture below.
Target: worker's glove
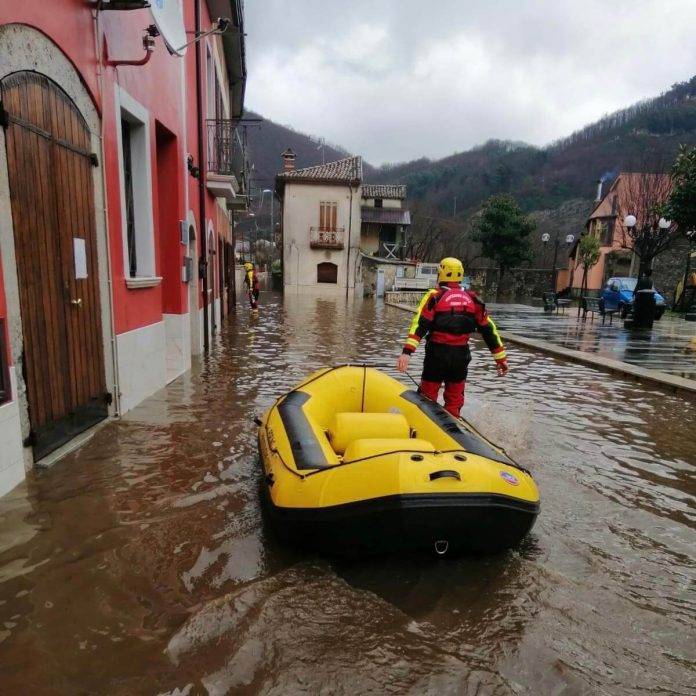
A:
(502, 367)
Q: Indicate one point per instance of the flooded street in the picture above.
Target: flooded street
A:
(140, 564)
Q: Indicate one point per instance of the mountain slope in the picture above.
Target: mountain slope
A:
(268, 140)
(556, 183)
(643, 136)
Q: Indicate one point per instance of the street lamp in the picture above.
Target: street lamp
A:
(545, 238)
(271, 192)
(664, 224)
(630, 221)
(250, 214)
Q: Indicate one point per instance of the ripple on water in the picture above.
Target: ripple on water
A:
(142, 562)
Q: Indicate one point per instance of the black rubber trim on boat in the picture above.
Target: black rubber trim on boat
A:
(306, 449)
(468, 441)
(410, 501)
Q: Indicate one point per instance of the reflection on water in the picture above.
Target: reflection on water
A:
(667, 347)
(141, 563)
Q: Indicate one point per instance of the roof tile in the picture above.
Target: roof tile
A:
(384, 191)
(347, 169)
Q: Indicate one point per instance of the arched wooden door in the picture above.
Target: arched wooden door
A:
(50, 175)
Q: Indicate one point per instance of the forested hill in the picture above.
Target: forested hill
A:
(268, 140)
(643, 136)
(556, 183)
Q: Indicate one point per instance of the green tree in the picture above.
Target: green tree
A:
(503, 231)
(681, 204)
(588, 256)
(681, 208)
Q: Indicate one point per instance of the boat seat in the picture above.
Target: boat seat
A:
(348, 427)
(371, 447)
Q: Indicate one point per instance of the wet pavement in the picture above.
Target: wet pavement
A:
(670, 347)
(141, 564)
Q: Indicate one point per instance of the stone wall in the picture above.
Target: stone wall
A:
(517, 284)
(409, 297)
(669, 268)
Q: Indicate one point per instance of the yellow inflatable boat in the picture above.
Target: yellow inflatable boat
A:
(356, 463)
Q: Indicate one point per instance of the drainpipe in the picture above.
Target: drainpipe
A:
(202, 168)
(232, 297)
(350, 226)
(109, 278)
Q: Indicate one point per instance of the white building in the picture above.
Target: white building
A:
(331, 222)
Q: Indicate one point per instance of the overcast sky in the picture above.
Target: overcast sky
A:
(398, 79)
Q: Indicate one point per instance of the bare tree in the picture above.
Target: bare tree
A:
(644, 196)
(426, 238)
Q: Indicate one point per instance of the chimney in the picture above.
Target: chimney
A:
(288, 160)
(599, 190)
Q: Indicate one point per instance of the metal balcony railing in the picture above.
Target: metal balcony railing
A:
(226, 149)
(326, 239)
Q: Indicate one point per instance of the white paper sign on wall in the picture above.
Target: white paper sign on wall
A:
(80, 252)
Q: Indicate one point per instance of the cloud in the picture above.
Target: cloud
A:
(398, 79)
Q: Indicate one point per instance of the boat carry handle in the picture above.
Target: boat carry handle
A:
(445, 473)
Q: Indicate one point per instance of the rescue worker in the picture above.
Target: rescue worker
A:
(446, 317)
(251, 280)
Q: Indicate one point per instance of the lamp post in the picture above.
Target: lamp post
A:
(691, 238)
(629, 224)
(248, 235)
(269, 191)
(644, 293)
(545, 238)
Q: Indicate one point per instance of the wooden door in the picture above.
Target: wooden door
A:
(50, 174)
(327, 272)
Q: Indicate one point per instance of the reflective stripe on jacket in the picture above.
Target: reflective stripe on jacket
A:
(448, 314)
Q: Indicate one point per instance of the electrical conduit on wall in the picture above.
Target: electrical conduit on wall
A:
(109, 274)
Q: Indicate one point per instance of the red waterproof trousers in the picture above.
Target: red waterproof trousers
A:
(448, 364)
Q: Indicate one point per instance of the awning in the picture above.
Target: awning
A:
(386, 216)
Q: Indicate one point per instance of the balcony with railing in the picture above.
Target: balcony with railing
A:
(326, 239)
(227, 174)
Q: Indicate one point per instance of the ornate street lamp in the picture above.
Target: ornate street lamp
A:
(545, 238)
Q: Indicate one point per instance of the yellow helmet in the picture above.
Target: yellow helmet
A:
(450, 270)
(248, 266)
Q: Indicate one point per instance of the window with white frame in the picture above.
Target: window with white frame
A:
(136, 187)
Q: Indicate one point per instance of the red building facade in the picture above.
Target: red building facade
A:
(120, 171)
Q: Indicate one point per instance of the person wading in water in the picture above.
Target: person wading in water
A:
(446, 317)
(251, 280)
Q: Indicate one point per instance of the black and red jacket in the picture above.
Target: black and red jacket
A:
(449, 314)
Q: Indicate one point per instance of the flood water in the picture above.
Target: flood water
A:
(140, 564)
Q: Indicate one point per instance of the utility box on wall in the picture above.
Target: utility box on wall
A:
(184, 232)
(187, 269)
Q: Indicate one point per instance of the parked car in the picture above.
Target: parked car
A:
(618, 294)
